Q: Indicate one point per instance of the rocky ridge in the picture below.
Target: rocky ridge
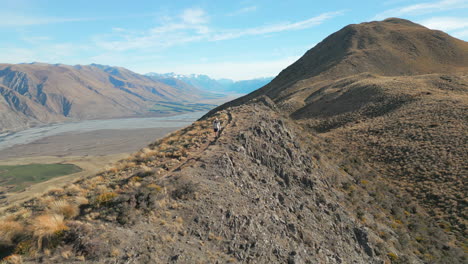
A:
(260, 192)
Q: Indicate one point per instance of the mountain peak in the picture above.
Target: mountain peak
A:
(400, 21)
(392, 47)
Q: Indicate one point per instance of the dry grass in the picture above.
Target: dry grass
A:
(46, 227)
(75, 190)
(56, 192)
(105, 198)
(9, 230)
(64, 208)
(12, 259)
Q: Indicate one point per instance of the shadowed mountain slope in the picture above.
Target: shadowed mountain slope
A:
(42, 93)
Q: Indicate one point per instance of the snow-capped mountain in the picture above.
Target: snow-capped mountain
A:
(206, 83)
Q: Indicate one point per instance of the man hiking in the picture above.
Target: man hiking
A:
(216, 127)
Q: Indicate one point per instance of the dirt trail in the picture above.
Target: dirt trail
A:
(202, 149)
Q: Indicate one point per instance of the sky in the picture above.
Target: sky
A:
(223, 39)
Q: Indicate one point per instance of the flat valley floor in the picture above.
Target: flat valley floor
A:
(92, 151)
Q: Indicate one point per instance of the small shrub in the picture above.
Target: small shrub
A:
(56, 192)
(105, 198)
(145, 172)
(184, 190)
(156, 187)
(392, 256)
(24, 247)
(360, 214)
(135, 179)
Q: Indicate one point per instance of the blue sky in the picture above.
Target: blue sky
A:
(232, 39)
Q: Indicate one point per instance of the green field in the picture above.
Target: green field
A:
(18, 177)
(167, 107)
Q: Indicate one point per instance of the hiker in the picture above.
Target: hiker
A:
(216, 127)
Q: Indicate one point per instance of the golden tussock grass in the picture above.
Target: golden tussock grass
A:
(101, 188)
(111, 170)
(79, 200)
(66, 254)
(115, 252)
(12, 259)
(146, 153)
(64, 208)
(73, 190)
(46, 226)
(9, 229)
(168, 238)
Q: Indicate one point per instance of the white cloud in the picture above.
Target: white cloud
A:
(20, 19)
(190, 26)
(194, 16)
(317, 20)
(244, 10)
(11, 20)
(423, 8)
(446, 23)
(17, 55)
(43, 52)
(456, 26)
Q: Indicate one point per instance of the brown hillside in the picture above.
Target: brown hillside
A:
(42, 93)
(392, 47)
(393, 93)
(261, 192)
(412, 129)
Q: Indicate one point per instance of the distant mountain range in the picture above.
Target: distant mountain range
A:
(204, 82)
(39, 93)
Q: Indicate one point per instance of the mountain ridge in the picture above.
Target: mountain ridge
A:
(206, 83)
